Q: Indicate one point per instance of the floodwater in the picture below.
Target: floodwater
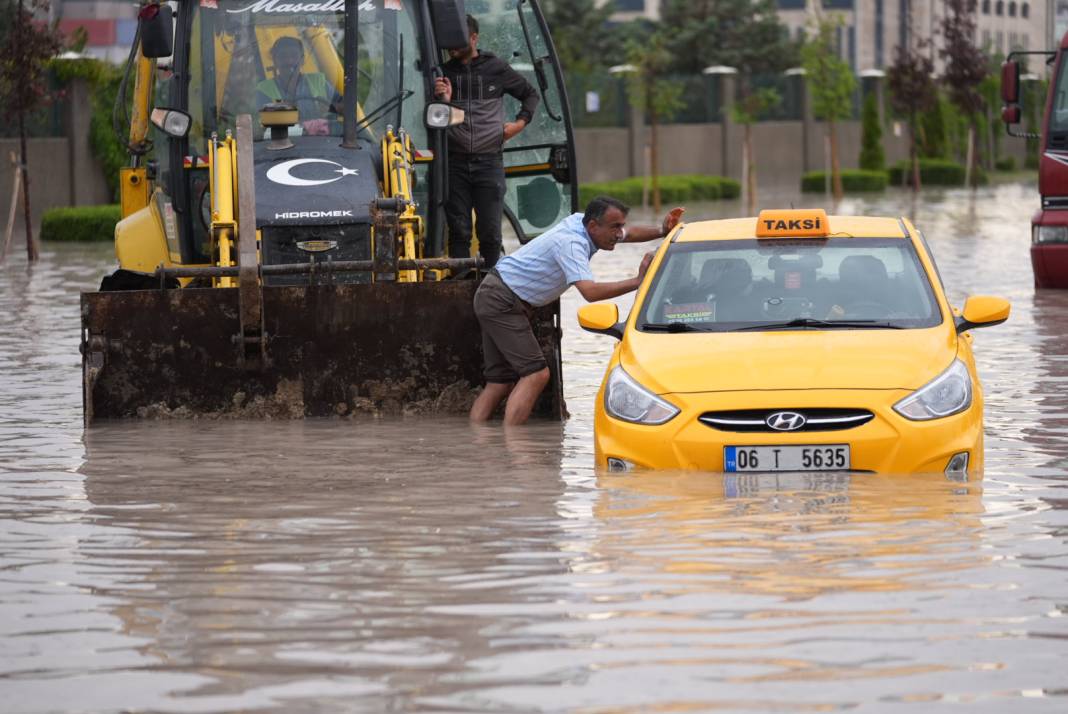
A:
(426, 565)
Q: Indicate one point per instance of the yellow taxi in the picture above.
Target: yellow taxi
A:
(794, 341)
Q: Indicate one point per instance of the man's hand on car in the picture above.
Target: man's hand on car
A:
(671, 220)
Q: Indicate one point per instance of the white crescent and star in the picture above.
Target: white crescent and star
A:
(282, 173)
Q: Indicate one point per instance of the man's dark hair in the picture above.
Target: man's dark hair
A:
(472, 25)
(599, 206)
(285, 40)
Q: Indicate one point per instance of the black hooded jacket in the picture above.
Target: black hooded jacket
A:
(478, 88)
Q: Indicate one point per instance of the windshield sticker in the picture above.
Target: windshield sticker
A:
(278, 6)
(690, 312)
(282, 173)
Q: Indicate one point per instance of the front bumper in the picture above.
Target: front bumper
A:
(889, 443)
(1049, 261)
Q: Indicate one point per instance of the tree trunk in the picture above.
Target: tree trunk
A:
(915, 155)
(654, 159)
(750, 172)
(836, 171)
(969, 161)
(31, 245)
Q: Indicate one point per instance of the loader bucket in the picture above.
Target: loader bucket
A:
(330, 350)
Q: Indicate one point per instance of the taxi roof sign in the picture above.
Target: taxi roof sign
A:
(793, 223)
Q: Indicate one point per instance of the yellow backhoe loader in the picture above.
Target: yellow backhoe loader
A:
(283, 256)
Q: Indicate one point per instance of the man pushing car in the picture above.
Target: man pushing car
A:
(535, 275)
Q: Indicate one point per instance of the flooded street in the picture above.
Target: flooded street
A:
(408, 565)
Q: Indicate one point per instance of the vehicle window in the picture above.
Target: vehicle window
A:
(1058, 120)
(724, 285)
(246, 53)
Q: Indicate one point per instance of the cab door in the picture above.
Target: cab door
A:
(539, 163)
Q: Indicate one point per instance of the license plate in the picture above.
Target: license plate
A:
(814, 457)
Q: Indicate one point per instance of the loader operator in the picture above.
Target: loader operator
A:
(536, 275)
(477, 82)
(309, 93)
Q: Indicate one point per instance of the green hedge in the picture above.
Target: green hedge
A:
(680, 188)
(933, 172)
(81, 223)
(853, 180)
(1005, 163)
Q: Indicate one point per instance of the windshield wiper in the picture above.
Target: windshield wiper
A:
(396, 101)
(806, 322)
(670, 327)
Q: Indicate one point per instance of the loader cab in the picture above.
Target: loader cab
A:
(231, 56)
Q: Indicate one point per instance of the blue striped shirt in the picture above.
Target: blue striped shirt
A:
(544, 268)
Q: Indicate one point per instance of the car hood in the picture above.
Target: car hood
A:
(798, 359)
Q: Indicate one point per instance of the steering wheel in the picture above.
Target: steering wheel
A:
(869, 309)
(325, 102)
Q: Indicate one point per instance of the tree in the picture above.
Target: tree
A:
(25, 51)
(872, 156)
(745, 34)
(580, 32)
(746, 111)
(659, 97)
(966, 68)
(832, 84)
(912, 92)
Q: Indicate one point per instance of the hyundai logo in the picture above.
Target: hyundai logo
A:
(786, 421)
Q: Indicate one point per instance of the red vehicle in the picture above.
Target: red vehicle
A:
(1049, 225)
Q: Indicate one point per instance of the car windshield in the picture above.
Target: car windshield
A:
(838, 283)
(247, 53)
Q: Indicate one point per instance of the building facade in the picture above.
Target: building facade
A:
(872, 29)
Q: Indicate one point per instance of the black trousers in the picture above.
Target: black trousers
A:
(475, 182)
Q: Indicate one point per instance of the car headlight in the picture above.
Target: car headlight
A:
(949, 393)
(1049, 234)
(627, 400)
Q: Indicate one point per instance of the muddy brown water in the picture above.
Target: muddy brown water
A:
(409, 565)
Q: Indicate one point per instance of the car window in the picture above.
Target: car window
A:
(723, 285)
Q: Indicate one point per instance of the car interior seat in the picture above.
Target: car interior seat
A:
(863, 279)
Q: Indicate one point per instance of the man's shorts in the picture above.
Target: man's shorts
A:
(508, 344)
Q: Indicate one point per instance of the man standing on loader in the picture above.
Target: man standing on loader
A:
(477, 82)
(536, 275)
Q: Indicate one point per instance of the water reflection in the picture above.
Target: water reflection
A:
(320, 548)
(425, 565)
(800, 536)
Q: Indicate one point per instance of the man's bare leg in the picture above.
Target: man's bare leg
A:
(524, 396)
(486, 402)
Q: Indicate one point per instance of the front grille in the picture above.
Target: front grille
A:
(279, 247)
(1055, 202)
(755, 420)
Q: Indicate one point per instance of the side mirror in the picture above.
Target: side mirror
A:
(441, 116)
(171, 122)
(449, 19)
(1010, 114)
(601, 318)
(1010, 82)
(157, 31)
(983, 311)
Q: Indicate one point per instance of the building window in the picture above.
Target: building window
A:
(630, 5)
(1025, 10)
(1012, 9)
(999, 8)
(986, 7)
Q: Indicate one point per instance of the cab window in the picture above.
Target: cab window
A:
(724, 285)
